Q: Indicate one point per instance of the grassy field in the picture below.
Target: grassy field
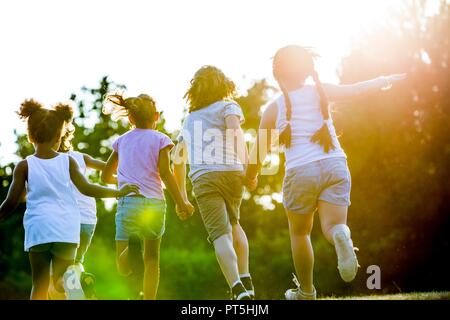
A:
(445, 295)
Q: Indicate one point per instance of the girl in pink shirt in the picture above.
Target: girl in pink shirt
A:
(142, 155)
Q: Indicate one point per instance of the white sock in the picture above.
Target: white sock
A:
(340, 228)
(245, 275)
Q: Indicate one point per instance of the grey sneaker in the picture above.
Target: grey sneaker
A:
(298, 294)
(347, 261)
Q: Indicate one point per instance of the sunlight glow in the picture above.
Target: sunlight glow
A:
(53, 48)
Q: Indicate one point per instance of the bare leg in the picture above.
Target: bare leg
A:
(240, 244)
(226, 256)
(331, 215)
(59, 268)
(40, 273)
(122, 261)
(151, 273)
(300, 227)
(333, 220)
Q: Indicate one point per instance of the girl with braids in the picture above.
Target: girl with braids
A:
(317, 176)
(52, 217)
(141, 156)
(217, 173)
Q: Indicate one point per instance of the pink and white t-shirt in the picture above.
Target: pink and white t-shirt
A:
(138, 151)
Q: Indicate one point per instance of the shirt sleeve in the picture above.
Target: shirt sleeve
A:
(165, 141)
(233, 109)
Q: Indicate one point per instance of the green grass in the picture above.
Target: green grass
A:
(444, 295)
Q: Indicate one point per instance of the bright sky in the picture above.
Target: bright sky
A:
(50, 49)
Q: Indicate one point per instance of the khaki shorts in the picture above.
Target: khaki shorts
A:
(219, 197)
(61, 250)
(327, 180)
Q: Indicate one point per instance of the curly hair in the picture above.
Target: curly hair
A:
(208, 86)
(44, 125)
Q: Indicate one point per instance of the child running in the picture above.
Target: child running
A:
(216, 171)
(52, 216)
(317, 176)
(87, 207)
(142, 157)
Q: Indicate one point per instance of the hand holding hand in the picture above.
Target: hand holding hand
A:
(127, 189)
(186, 211)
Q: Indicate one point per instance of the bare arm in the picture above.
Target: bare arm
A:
(263, 142)
(16, 190)
(93, 190)
(338, 93)
(179, 168)
(233, 122)
(169, 180)
(99, 165)
(93, 163)
(110, 168)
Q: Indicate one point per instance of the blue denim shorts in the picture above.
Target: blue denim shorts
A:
(327, 180)
(142, 217)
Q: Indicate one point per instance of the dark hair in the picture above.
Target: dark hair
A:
(140, 108)
(297, 63)
(44, 125)
(208, 86)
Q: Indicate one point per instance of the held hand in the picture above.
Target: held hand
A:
(185, 211)
(127, 189)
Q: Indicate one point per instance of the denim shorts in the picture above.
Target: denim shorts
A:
(219, 196)
(327, 180)
(142, 217)
(86, 234)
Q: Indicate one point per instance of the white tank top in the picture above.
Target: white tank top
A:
(87, 205)
(52, 213)
(305, 121)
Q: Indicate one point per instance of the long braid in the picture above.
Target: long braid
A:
(285, 135)
(323, 135)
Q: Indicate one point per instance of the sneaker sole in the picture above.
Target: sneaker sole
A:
(348, 268)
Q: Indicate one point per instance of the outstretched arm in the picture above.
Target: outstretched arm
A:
(16, 190)
(93, 163)
(99, 165)
(344, 92)
(110, 168)
(93, 190)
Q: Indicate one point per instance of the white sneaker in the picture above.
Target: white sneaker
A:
(347, 261)
(298, 294)
(72, 284)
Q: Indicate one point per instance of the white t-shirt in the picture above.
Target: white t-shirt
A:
(306, 119)
(52, 213)
(205, 134)
(87, 205)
